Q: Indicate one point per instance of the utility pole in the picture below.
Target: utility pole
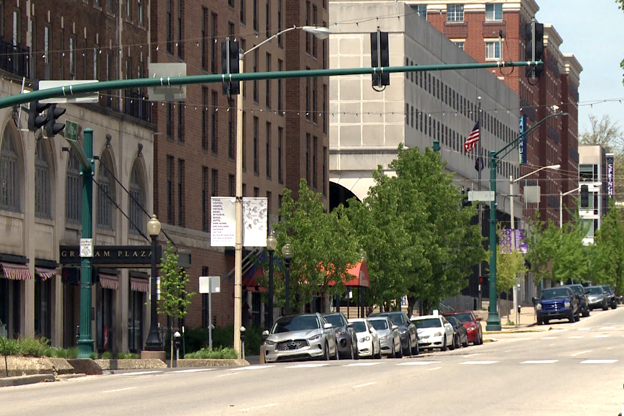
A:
(479, 168)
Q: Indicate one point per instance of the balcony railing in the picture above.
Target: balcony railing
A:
(14, 58)
(136, 105)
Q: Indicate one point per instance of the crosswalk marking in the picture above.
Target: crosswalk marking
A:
(478, 362)
(539, 362)
(598, 361)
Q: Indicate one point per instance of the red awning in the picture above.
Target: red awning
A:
(108, 281)
(249, 280)
(44, 273)
(360, 273)
(16, 271)
(139, 284)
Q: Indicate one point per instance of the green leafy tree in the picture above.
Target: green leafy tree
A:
(607, 257)
(509, 264)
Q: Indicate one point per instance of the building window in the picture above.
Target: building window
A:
(213, 44)
(324, 114)
(307, 159)
(280, 89)
(170, 26)
(204, 34)
(213, 122)
(231, 3)
(170, 189)
(232, 185)
(314, 160)
(307, 22)
(205, 201)
(587, 173)
(493, 50)
(140, 12)
(459, 44)
(255, 15)
(137, 200)
(204, 127)
(256, 58)
(280, 41)
(268, 81)
(72, 57)
(454, 12)
(280, 154)
(268, 19)
(215, 182)
(243, 13)
(128, 9)
(9, 174)
(43, 197)
(181, 187)
(180, 122)
(73, 191)
(255, 145)
(106, 194)
(421, 10)
(324, 170)
(180, 43)
(307, 96)
(314, 40)
(268, 150)
(169, 121)
(256, 192)
(494, 12)
(314, 100)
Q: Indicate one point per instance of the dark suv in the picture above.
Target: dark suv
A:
(597, 297)
(557, 303)
(407, 331)
(579, 291)
(345, 335)
(611, 298)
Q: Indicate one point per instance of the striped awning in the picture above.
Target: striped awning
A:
(139, 284)
(109, 281)
(16, 271)
(44, 273)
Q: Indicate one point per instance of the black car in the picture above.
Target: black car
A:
(407, 331)
(611, 298)
(579, 291)
(345, 335)
(597, 297)
(460, 335)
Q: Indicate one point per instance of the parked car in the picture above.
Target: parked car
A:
(389, 337)
(557, 303)
(596, 297)
(460, 335)
(579, 291)
(345, 335)
(472, 324)
(434, 331)
(407, 331)
(611, 298)
(367, 338)
(297, 337)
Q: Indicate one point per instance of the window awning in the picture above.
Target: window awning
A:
(44, 273)
(139, 284)
(109, 281)
(16, 271)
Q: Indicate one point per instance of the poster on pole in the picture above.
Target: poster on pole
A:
(223, 221)
(255, 218)
(610, 174)
(522, 144)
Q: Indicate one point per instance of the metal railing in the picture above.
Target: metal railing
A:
(14, 58)
(137, 105)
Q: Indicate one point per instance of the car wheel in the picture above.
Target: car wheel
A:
(336, 353)
(416, 349)
(378, 356)
(546, 321)
(356, 352)
(577, 317)
(614, 306)
(586, 312)
(443, 344)
(398, 353)
(605, 306)
(480, 340)
(571, 318)
(326, 353)
(465, 344)
(454, 343)
(539, 321)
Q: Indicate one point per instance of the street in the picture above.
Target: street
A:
(571, 369)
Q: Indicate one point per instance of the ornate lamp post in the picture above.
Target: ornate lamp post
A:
(287, 254)
(153, 342)
(271, 246)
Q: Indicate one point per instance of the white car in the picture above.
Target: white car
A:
(367, 338)
(434, 331)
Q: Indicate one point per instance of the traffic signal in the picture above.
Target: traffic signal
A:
(534, 48)
(584, 196)
(229, 65)
(36, 116)
(380, 57)
(465, 201)
(52, 127)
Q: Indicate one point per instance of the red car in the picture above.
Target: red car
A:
(472, 324)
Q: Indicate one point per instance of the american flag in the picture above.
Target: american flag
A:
(473, 139)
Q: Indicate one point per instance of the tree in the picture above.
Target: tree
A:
(607, 256)
(621, 7)
(509, 264)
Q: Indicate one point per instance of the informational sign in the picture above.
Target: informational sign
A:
(223, 221)
(209, 284)
(513, 240)
(610, 175)
(167, 92)
(71, 130)
(522, 144)
(69, 97)
(86, 247)
(117, 256)
(482, 196)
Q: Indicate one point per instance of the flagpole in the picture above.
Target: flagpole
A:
(479, 188)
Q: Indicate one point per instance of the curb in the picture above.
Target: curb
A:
(22, 380)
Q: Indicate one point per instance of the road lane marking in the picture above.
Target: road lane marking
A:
(598, 361)
(252, 367)
(434, 368)
(472, 355)
(607, 327)
(582, 352)
(194, 370)
(550, 337)
(227, 374)
(478, 362)
(539, 362)
(361, 364)
(601, 336)
(365, 384)
(419, 362)
(258, 407)
(140, 373)
(116, 390)
(307, 366)
(576, 337)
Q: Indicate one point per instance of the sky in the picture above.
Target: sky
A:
(594, 32)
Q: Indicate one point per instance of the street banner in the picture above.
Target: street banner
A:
(223, 221)
(522, 144)
(508, 237)
(610, 174)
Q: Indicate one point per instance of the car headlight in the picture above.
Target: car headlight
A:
(538, 306)
(269, 342)
(387, 336)
(437, 334)
(315, 337)
(364, 339)
(471, 328)
(566, 304)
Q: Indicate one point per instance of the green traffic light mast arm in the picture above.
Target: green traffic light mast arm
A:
(72, 90)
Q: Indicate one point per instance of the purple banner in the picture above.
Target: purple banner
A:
(610, 175)
(522, 145)
(508, 237)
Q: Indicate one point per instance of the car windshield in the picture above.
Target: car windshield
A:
(379, 324)
(595, 290)
(427, 323)
(556, 293)
(464, 317)
(335, 320)
(396, 318)
(295, 323)
(576, 289)
(607, 289)
(359, 326)
(453, 321)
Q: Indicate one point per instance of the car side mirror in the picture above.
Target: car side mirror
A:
(265, 333)
(327, 326)
(350, 325)
(479, 319)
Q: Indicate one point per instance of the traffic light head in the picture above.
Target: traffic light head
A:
(534, 48)
(584, 196)
(52, 127)
(380, 57)
(36, 116)
(229, 65)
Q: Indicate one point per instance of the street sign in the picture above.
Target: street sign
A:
(69, 97)
(86, 247)
(209, 284)
(482, 196)
(71, 130)
(166, 91)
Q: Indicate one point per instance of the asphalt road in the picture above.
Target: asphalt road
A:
(573, 369)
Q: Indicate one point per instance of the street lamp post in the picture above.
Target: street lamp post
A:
(287, 254)
(153, 342)
(321, 33)
(271, 246)
(561, 195)
(493, 320)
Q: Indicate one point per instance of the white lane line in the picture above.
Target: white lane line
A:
(252, 367)
(419, 362)
(307, 366)
(478, 362)
(607, 327)
(539, 362)
(194, 370)
(361, 364)
(140, 373)
(116, 390)
(583, 329)
(550, 337)
(598, 361)
(576, 337)
(434, 368)
(582, 352)
(472, 355)
(601, 336)
(365, 384)
(258, 407)
(227, 374)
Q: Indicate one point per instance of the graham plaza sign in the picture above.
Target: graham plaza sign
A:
(119, 256)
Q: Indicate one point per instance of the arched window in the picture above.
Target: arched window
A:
(137, 200)
(9, 174)
(105, 193)
(73, 191)
(43, 195)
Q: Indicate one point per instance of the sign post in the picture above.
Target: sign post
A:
(209, 284)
